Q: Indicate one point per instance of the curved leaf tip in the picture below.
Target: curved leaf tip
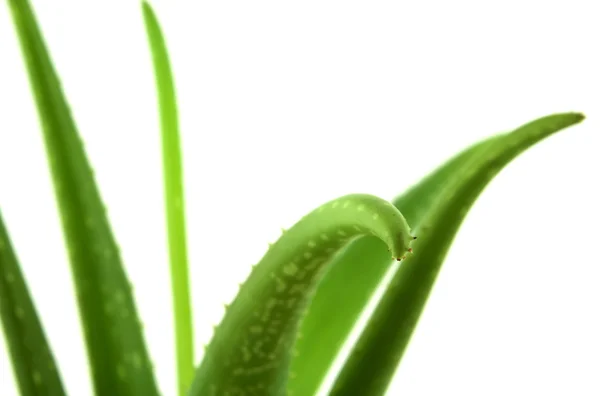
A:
(252, 347)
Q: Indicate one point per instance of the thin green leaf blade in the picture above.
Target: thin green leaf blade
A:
(355, 273)
(174, 200)
(115, 344)
(32, 359)
(375, 356)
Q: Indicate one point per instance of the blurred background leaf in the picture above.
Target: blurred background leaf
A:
(32, 359)
(116, 349)
(174, 201)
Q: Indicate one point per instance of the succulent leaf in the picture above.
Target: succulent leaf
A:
(252, 347)
(354, 274)
(376, 355)
(174, 200)
(32, 359)
(116, 348)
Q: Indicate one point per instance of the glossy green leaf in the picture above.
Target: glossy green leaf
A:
(252, 347)
(32, 359)
(117, 352)
(355, 273)
(375, 356)
(173, 181)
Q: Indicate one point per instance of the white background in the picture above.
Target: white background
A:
(285, 105)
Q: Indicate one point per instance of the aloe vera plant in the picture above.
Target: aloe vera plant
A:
(292, 301)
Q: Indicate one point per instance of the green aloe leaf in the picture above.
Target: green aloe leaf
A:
(32, 359)
(355, 273)
(375, 356)
(173, 180)
(117, 352)
(251, 349)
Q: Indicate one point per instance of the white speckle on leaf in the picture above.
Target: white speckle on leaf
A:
(37, 377)
(136, 360)
(19, 312)
(120, 296)
(256, 329)
(290, 269)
